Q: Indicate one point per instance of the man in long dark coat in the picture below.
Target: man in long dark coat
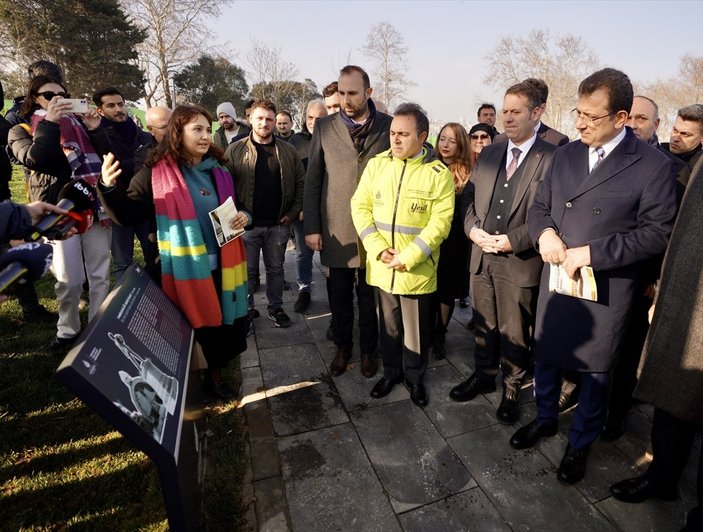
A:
(607, 202)
(672, 374)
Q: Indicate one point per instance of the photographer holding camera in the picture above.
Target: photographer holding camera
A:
(59, 147)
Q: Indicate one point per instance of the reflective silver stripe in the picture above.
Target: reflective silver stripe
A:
(424, 247)
(402, 229)
(367, 232)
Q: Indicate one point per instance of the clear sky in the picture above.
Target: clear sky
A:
(447, 40)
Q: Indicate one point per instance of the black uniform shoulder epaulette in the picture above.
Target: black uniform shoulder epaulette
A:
(438, 167)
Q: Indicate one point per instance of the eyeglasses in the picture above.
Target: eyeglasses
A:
(479, 137)
(48, 95)
(588, 120)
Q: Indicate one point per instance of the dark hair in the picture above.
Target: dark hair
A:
(248, 104)
(615, 83)
(541, 87)
(347, 70)
(45, 68)
(265, 104)
(418, 113)
(529, 91)
(106, 91)
(172, 144)
(693, 113)
(2, 96)
(285, 113)
(29, 105)
(330, 90)
(485, 106)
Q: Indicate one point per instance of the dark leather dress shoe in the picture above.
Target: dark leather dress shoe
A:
(471, 387)
(639, 489)
(369, 365)
(339, 364)
(509, 409)
(530, 434)
(418, 395)
(384, 386)
(614, 428)
(573, 465)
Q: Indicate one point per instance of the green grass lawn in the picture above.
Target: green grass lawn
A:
(62, 466)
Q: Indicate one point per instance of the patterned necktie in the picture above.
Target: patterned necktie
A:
(601, 155)
(513, 164)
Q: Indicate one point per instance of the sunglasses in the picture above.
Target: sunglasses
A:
(479, 137)
(48, 95)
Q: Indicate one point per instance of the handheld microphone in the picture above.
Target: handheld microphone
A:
(27, 261)
(75, 197)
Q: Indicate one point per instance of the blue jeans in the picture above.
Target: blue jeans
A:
(271, 241)
(122, 247)
(303, 258)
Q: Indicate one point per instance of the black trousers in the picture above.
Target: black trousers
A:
(222, 343)
(342, 283)
(625, 370)
(504, 317)
(672, 441)
(406, 330)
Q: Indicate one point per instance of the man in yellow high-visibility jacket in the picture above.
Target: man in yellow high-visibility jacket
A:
(402, 210)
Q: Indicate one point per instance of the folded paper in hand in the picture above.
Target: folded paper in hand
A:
(584, 286)
(221, 218)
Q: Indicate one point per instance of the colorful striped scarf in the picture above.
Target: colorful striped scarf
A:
(185, 267)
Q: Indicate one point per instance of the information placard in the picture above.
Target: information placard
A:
(132, 367)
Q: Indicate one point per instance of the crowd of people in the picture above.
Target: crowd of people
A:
(411, 228)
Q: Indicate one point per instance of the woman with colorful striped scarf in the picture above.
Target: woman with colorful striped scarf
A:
(182, 182)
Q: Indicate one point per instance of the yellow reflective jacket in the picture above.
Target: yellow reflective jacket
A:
(406, 205)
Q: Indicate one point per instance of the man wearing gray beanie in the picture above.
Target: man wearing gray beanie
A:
(230, 129)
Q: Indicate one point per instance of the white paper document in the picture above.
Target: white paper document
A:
(584, 286)
(221, 218)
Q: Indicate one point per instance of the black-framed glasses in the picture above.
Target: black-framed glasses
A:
(589, 120)
(48, 95)
(479, 137)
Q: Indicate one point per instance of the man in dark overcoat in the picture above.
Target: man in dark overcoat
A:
(672, 373)
(608, 202)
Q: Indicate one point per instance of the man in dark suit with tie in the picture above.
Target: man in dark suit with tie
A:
(608, 202)
(505, 268)
(544, 132)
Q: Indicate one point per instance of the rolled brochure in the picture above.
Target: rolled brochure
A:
(584, 286)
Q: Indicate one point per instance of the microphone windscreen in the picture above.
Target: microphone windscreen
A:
(34, 256)
(80, 193)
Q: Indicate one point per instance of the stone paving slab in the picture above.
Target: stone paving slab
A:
(469, 510)
(412, 460)
(523, 485)
(314, 405)
(449, 417)
(330, 484)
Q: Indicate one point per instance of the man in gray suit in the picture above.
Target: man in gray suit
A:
(341, 146)
(505, 267)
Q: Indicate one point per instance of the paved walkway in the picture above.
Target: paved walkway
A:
(325, 456)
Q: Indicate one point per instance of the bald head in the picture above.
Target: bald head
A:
(644, 117)
(156, 121)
